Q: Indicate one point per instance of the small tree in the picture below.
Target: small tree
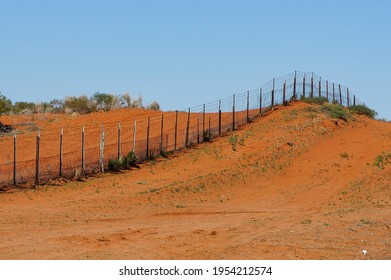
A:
(154, 106)
(5, 104)
(104, 100)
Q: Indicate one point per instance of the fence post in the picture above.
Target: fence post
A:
(233, 112)
(327, 90)
(119, 141)
(219, 117)
(102, 150)
(209, 136)
(320, 88)
(61, 149)
(14, 159)
(347, 95)
(354, 100)
(340, 94)
(176, 129)
(134, 136)
(203, 119)
(273, 94)
(312, 86)
(304, 85)
(83, 166)
(161, 133)
(37, 155)
(260, 101)
(284, 95)
(248, 106)
(294, 87)
(148, 127)
(187, 129)
(198, 130)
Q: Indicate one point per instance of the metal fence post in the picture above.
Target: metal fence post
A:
(320, 88)
(347, 96)
(187, 129)
(161, 132)
(102, 150)
(327, 90)
(340, 94)
(284, 94)
(294, 87)
(119, 141)
(134, 136)
(273, 95)
(304, 86)
(248, 106)
(219, 117)
(260, 101)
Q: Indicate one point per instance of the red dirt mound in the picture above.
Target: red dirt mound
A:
(294, 184)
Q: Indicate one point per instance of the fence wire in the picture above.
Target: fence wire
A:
(29, 159)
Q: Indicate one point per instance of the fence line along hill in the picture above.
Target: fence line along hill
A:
(85, 145)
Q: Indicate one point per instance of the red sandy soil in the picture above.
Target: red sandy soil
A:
(299, 186)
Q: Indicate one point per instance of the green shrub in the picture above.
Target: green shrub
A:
(206, 136)
(314, 100)
(129, 161)
(363, 110)
(163, 152)
(115, 165)
(233, 140)
(81, 105)
(336, 111)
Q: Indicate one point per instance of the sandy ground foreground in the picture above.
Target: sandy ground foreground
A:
(294, 185)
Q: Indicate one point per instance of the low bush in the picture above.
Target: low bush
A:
(129, 161)
(363, 110)
(314, 100)
(115, 165)
(206, 136)
(336, 111)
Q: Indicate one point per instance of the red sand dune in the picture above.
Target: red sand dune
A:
(296, 185)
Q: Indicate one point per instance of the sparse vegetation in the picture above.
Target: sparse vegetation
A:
(206, 136)
(344, 155)
(363, 110)
(382, 160)
(115, 165)
(336, 111)
(314, 100)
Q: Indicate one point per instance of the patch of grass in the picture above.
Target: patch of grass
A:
(314, 100)
(233, 140)
(207, 136)
(363, 110)
(365, 222)
(382, 160)
(115, 165)
(344, 155)
(336, 111)
(306, 222)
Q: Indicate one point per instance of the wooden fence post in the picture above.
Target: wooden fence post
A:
(14, 159)
(176, 129)
(83, 164)
(327, 90)
(198, 130)
(203, 119)
(119, 141)
(312, 86)
(37, 156)
(134, 136)
(273, 94)
(102, 150)
(284, 95)
(248, 106)
(148, 128)
(260, 101)
(161, 132)
(61, 150)
(354, 100)
(219, 117)
(187, 129)
(294, 87)
(304, 85)
(233, 112)
(209, 136)
(340, 94)
(347, 96)
(333, 93)
(320, 88)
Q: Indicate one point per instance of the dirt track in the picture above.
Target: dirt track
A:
(301, 186)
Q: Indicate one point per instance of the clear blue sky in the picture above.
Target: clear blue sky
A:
(185, 53)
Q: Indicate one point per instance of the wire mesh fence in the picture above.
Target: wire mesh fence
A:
(78, 151)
